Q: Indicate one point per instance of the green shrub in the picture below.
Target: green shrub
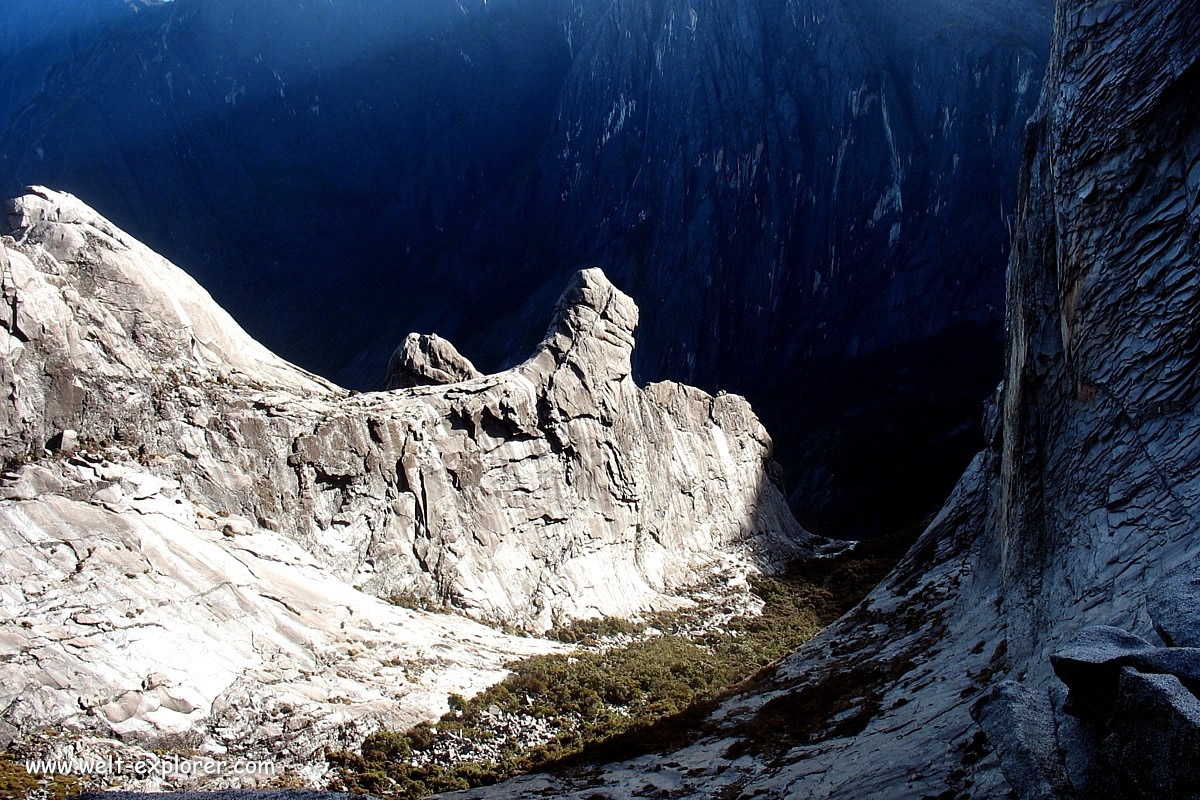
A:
(590, 630)
(627, 700)
(414, 602)
(17, 784)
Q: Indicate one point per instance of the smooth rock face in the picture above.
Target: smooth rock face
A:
(427, 360)
(558, 489)
(198, 555)
(131, 612)
(1085, 498)
(811, 200)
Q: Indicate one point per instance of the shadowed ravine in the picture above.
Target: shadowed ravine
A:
(1039, 639)
(801, 195)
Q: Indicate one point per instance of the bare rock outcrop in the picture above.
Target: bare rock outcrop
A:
(427, 360)
(555, 490)
(132, 613)
(195, 534)
(1075, 515)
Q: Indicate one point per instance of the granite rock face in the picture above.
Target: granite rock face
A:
(558, 489)
(195, 534)
(785, 186)
(1016, 721)
(1092, 663)
(1082, 502)
(1172, 605)
(133, 613)
(1128, 726)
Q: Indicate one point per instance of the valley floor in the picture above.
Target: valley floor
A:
(621, 689)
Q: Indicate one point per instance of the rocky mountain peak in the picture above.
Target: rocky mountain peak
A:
(597, 318)
(142, 424)
(166, 317)
(426, 359)
(592, 329)
(517, 478)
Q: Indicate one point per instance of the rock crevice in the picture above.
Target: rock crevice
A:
(1062, 536)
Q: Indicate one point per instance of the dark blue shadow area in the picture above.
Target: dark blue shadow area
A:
(810, 201)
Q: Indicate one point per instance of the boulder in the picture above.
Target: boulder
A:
(1018, 722)
(427, 360)
(1174, 605)
(1152, 746)
(63, 441)
(1091, 665)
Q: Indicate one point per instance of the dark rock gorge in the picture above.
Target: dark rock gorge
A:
(1038, 640)
(811, 200)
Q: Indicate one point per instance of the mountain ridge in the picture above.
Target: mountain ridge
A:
(198, 534)
(724, 169)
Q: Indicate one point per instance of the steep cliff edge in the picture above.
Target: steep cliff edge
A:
(176, 495)
(783, 186)
(557, 489)
(1080, 513)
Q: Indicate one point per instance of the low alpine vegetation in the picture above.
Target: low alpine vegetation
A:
(609, 702)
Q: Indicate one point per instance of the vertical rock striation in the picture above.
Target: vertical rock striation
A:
(799, 193)
(555, 490)
(1073, 534)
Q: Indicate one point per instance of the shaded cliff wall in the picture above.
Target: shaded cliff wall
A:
(1101, 453)
(809, 199)
(1083, 500)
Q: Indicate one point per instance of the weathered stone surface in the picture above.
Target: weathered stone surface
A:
(125, 615)
(878, 705)
(1019, 724)
(1152, 749)
(427, 360)
(8, 732)
(1174, 605)
(63, 441)
(1086, 497)
(554, 490)
(1142, 742)
(206, 563)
